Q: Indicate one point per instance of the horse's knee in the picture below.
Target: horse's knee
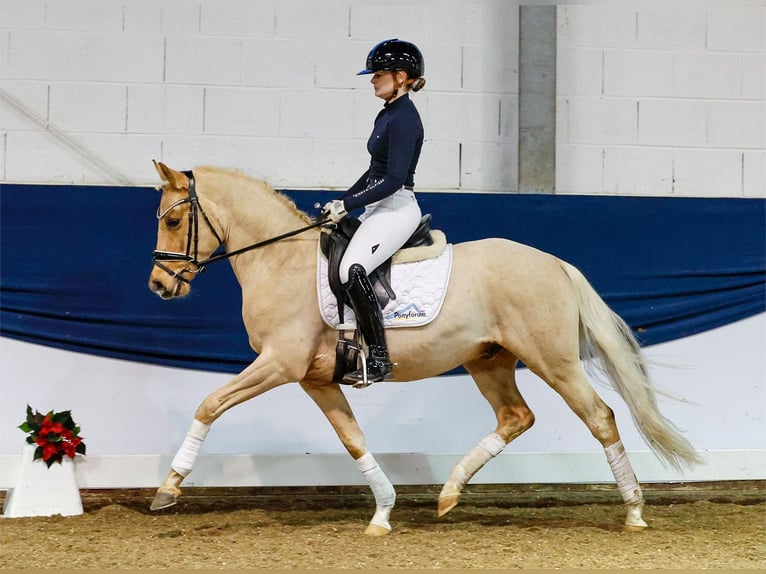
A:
(513, 421)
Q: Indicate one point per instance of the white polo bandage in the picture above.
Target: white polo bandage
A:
(381, 487)
(186, 456)
(623, 473)
(487, 448)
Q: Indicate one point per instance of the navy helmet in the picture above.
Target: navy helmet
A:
(395, 54)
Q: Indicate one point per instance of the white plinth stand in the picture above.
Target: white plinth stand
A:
(43, 491)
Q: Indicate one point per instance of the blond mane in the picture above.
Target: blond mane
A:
(250, 181)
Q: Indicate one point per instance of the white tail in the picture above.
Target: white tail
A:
(605, 336)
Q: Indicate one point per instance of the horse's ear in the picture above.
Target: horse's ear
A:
(175, 178)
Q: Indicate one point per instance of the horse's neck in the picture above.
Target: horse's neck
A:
(250, 212)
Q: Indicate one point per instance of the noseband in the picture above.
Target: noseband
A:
(192, 237)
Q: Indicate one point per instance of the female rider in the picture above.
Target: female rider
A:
(385, 190)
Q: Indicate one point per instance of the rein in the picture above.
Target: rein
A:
(192, 239)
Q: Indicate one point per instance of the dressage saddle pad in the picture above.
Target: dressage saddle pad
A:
(420, 288)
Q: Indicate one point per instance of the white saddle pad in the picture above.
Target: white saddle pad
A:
(420, 288)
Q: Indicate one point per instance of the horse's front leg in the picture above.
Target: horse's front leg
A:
(334, 405)
(260, 376)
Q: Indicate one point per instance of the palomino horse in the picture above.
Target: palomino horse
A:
(506, 303)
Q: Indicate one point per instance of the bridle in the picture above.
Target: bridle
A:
(192, 237)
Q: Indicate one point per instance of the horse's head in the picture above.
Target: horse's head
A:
(182, 243)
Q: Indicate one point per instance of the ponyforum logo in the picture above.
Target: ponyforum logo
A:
(408, 313)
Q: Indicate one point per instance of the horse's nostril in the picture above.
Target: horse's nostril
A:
(157, 287)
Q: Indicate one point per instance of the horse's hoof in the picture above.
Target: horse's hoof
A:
(635, 527)
(376, 530)
(163, 500)
(447, 503)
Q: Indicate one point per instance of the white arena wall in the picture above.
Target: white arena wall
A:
(652, 98)
(134, 417)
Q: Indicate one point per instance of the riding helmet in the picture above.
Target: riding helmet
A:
(395, 54)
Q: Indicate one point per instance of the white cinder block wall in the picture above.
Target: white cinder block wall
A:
(269, 87)
(662, 99)
(655, 99)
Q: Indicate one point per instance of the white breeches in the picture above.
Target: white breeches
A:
(386, 225)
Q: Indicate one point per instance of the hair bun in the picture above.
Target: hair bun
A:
(418, 85)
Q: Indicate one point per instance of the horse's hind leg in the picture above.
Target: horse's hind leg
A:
(574, 388)
(496, 379)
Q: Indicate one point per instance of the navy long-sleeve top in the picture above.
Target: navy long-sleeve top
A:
(394, 146)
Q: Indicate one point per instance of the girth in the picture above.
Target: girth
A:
(334, 242)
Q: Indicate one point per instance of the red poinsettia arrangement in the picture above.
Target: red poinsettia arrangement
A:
(55, 435)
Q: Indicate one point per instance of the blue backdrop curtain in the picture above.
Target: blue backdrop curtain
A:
(75, 260)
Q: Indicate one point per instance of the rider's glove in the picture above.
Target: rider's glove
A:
(334, 210)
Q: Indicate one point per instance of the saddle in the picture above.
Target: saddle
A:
(333, 245)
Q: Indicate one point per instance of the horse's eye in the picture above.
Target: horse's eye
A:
(173, 222)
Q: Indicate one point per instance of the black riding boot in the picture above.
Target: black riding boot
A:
(369, 319)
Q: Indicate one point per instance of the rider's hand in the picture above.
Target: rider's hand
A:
(334, 210)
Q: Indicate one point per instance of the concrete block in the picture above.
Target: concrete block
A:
(672, 122)
(237, 18)
(638, 73)
(125, 58)
(163, 109)
(279, 63)
(338, 62)
(242, 111)
(85, 15)
(375, 22)
(669, 27)
(471, 117)
(493, 23)
(126, 155)
(601, 120)
(180, 17)
(273, 159)
(143, 17)
(597, 26)
(754, 173)
(334, 164)
(579, 169)
(580, 72)
(444, 66)
(754, 76)
(737, 29)
(707, 173)
(707, 75)
(438, 167)
(33, 97)
(305, 20)
(22, 14)
(489, 167)
(491, 68)
(47, 56)
(62, 164)
(644, 171)
(203, 60)
(733, 124)
(315, 114)
(88, 107)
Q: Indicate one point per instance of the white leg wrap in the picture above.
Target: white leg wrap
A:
(187, 454)
(488, 448)
(381, 487)
(623, 474)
